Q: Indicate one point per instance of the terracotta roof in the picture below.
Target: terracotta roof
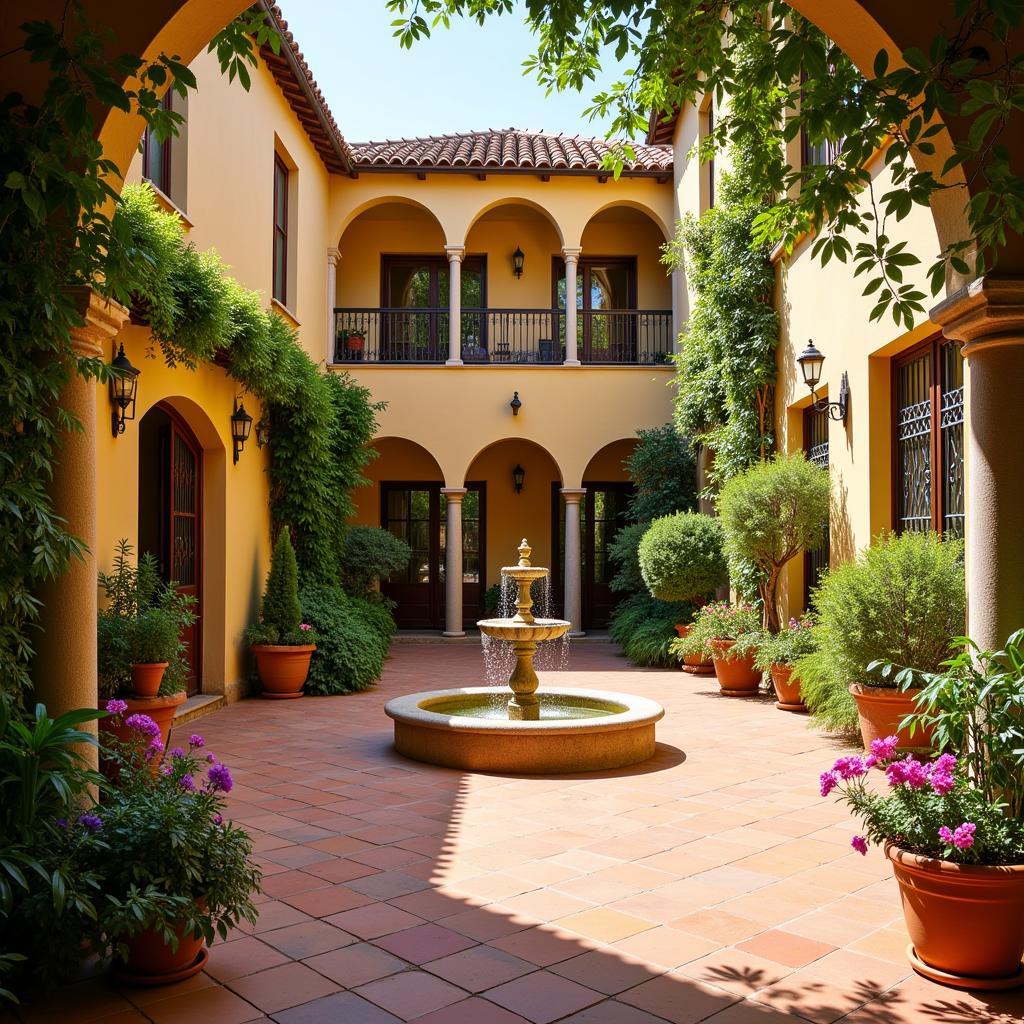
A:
(661, 129)
(508, 150)
(292, 74)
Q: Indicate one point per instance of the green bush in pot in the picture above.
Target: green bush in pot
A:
(369, 554)
(900, 601)
(681, 557)
(721, 620)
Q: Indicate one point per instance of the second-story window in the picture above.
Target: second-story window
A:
(156, 156)
(818, 154)
(280, 284)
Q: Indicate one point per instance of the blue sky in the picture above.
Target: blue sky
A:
(459, 79)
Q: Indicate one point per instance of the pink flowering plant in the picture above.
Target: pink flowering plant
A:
(793, 641)
(166, 833)
(932, 808)
(721, 620)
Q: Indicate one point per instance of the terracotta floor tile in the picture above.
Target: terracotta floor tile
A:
(486, 923)
(352, 966)
(411, 994)
(666, 947)
(471, 1011)
(786, 948)
(543, 997)
(543, 946)
(610, 1011)
(678, 998)
(207, 1004)
(718, 925)
(244, 956)
(276, 914)
(332, 899)
(605, 925)
(307, 939)
(282, 987)
(374, 920)
(424, 942)
(480, 967)
(289, 882)
(340, 1007)
(607, 970)
(385, 885)
(736, 970)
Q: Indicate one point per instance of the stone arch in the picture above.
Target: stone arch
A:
(516, 201)
(386, 200)
(606, 464)
(643, 209)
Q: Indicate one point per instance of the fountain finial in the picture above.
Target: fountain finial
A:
(524, 554)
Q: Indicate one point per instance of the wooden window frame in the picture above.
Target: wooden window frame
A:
(280, 231)
(164, 184)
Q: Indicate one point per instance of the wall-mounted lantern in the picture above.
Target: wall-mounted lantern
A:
(262, 432)
(241, 425)
(518, 478)
(518, 259)
(515, 405)
(811, 362)
(124, 383)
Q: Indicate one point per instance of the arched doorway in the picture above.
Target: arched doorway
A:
(171, 514)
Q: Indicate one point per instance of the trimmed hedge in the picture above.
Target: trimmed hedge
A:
(681, 557)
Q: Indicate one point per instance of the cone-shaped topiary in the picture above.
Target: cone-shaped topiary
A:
(281, 612)
(681, 557)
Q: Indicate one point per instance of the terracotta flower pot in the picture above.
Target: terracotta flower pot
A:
(147, 676)
(151, 961)
(737, 676)
(881, 709)
(160, 709)
(694, 663)
(966, 921)
(787, 689)
(283, 669)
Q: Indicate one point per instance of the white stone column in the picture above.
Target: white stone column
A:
(573, 586)
(333, 259)
(64, 668)
(987, 317)
(572, 259)
(455, 254)
(453, 562)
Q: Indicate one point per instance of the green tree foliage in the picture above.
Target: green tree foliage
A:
(645, 627)
(902, 601)
(369, 554)
(678, 50)
(280, 609)
(770, 513)
(681, 557)
(664, 472)
(624, 554)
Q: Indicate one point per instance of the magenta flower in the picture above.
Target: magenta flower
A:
(908, 772)
(870, 761)
(177, 752)
(90, 821)
(944, 763)
(962, 837)
(210, 759)
(166, 769)
(849, 767)
(828, 781)
(187, 783)
(195, 741)
(219, 778)
(860, 844)
(305, 627)
(116, 707)
(885, 749)
(143, 724)
(942, 783)
(218, 819)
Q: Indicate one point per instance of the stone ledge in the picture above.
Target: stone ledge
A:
(197, 706)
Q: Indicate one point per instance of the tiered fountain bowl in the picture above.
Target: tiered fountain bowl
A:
(482, 728)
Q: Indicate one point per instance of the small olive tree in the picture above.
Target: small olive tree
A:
(770, 513)
(681, 557)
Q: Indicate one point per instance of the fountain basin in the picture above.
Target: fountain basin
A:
(536, 631)
(442, 727)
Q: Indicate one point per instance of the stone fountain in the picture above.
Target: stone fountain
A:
(481, 728)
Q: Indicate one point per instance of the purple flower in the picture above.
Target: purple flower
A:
(829, 781)
(177, 752)
(219, 778)
(116, 707)
(909, 772)
(860, 844)
(62, 823)
(187, 783)
(870, 761)
(195, 741)
(962, 837)
(143, 724)
(90, 821)
(210, 759)
(942, 783)
(218, 819)
(885, 749)
(944, 763)
(166, 769)
(849, 767)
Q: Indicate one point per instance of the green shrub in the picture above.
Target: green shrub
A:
(154, 636)
(623, 552)
(492, 600)
(794, 641)
(645, 626)
(664, 471)
(368, 554)
(901, 601)
(681, 557)
(354, 635)
(280, 611)
(721, 620)
(770, 513)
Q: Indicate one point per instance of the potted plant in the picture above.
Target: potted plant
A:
(729, 635)
(953, 829)
(681, 559)
(898, 602)
(776, 654)
(282, 642)
(174, 873)
(355, 341)
(141, 654)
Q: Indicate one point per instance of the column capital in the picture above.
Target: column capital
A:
(333, 255)
(455, 253)
(987, 313)
(454, 494)
(571, 253)
(573, 494)
(102, 319)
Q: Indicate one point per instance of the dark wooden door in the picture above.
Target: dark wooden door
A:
(604, 514)
(411, 511)
(184, 534)
(816, 449)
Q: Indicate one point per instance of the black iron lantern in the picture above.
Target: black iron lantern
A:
(241, 425)
(811, 361)
(518, 478)
(124, 382)
(515, 405)
(518, 259)
(262, 433)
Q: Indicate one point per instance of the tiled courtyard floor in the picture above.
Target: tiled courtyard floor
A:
(712, 883)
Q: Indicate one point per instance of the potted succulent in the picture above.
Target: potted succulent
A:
(776, 654)
(174, 873)
(730, 635)
(681, 559)
(953, 828)
(282, 642)
(141, 654)
(900, 601)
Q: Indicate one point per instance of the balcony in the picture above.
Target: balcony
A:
(622, 337)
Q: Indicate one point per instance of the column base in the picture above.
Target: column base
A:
(454, 362)
(576, 634)
(454, 636)
(571, 362)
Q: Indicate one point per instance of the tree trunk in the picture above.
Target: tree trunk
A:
(770, 603)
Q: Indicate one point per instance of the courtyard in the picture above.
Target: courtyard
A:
(711, 883)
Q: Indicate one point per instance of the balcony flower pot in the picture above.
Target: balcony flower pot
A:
(880, 709)
(147, 676)
(152, 962)
(787, 689)
(966, 921)
(283, 669)
(355, 342)
(737, 674)
(694, 664)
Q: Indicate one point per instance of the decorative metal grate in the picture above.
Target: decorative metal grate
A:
(816, 447)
